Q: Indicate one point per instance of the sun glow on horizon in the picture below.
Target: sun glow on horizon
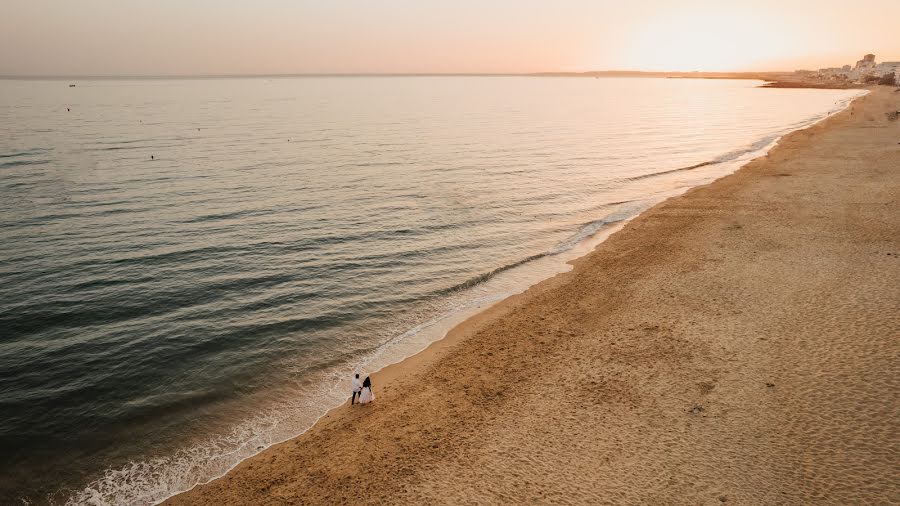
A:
(701, 40)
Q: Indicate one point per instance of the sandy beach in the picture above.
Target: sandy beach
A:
(738, 344)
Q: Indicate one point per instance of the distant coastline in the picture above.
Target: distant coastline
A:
(777, 79)
(241, 76)
(597, 73)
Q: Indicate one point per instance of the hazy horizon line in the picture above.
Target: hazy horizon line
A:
(588, 73)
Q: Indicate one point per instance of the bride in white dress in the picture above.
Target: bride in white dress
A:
(366, 396)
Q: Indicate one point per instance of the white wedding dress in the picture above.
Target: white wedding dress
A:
(366, 396)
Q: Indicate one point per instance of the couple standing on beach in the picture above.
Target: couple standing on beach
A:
(364, 390)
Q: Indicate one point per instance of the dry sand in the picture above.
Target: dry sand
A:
(736, 344)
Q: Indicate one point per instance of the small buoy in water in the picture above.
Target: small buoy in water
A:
(67, 109)
(151, 157)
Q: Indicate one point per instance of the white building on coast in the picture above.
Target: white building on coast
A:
(888, 67)
(864, 68)
(835, 72)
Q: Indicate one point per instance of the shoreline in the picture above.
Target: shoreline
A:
(400, 376)
(819, 85)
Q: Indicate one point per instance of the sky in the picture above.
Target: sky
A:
(216, 37)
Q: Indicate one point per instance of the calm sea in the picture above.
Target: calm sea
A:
(191, 269)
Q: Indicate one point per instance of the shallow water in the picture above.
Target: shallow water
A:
(190, 269)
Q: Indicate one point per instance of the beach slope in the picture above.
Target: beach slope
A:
(739, 344)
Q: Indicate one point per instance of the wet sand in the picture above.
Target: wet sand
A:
(739, 344)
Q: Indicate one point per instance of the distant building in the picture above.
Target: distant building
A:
(863, 68)
(888, 67)
(834, 72)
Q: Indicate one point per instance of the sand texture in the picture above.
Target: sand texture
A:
(739, 344)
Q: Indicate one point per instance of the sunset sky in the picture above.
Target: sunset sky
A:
(196, 37)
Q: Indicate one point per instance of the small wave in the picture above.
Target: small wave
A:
(33, 318)
(727, 157)
(312, 140)
(752, 148)
(664, 172)
(589, 229)
(40, 220)
(179, 257)
(27, 152)
(584, 232)
(227, 216)
(128, 146)
(481, 278)
(19, 163)
(374, 164)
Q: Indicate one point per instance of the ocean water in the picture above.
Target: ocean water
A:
(190, 270)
